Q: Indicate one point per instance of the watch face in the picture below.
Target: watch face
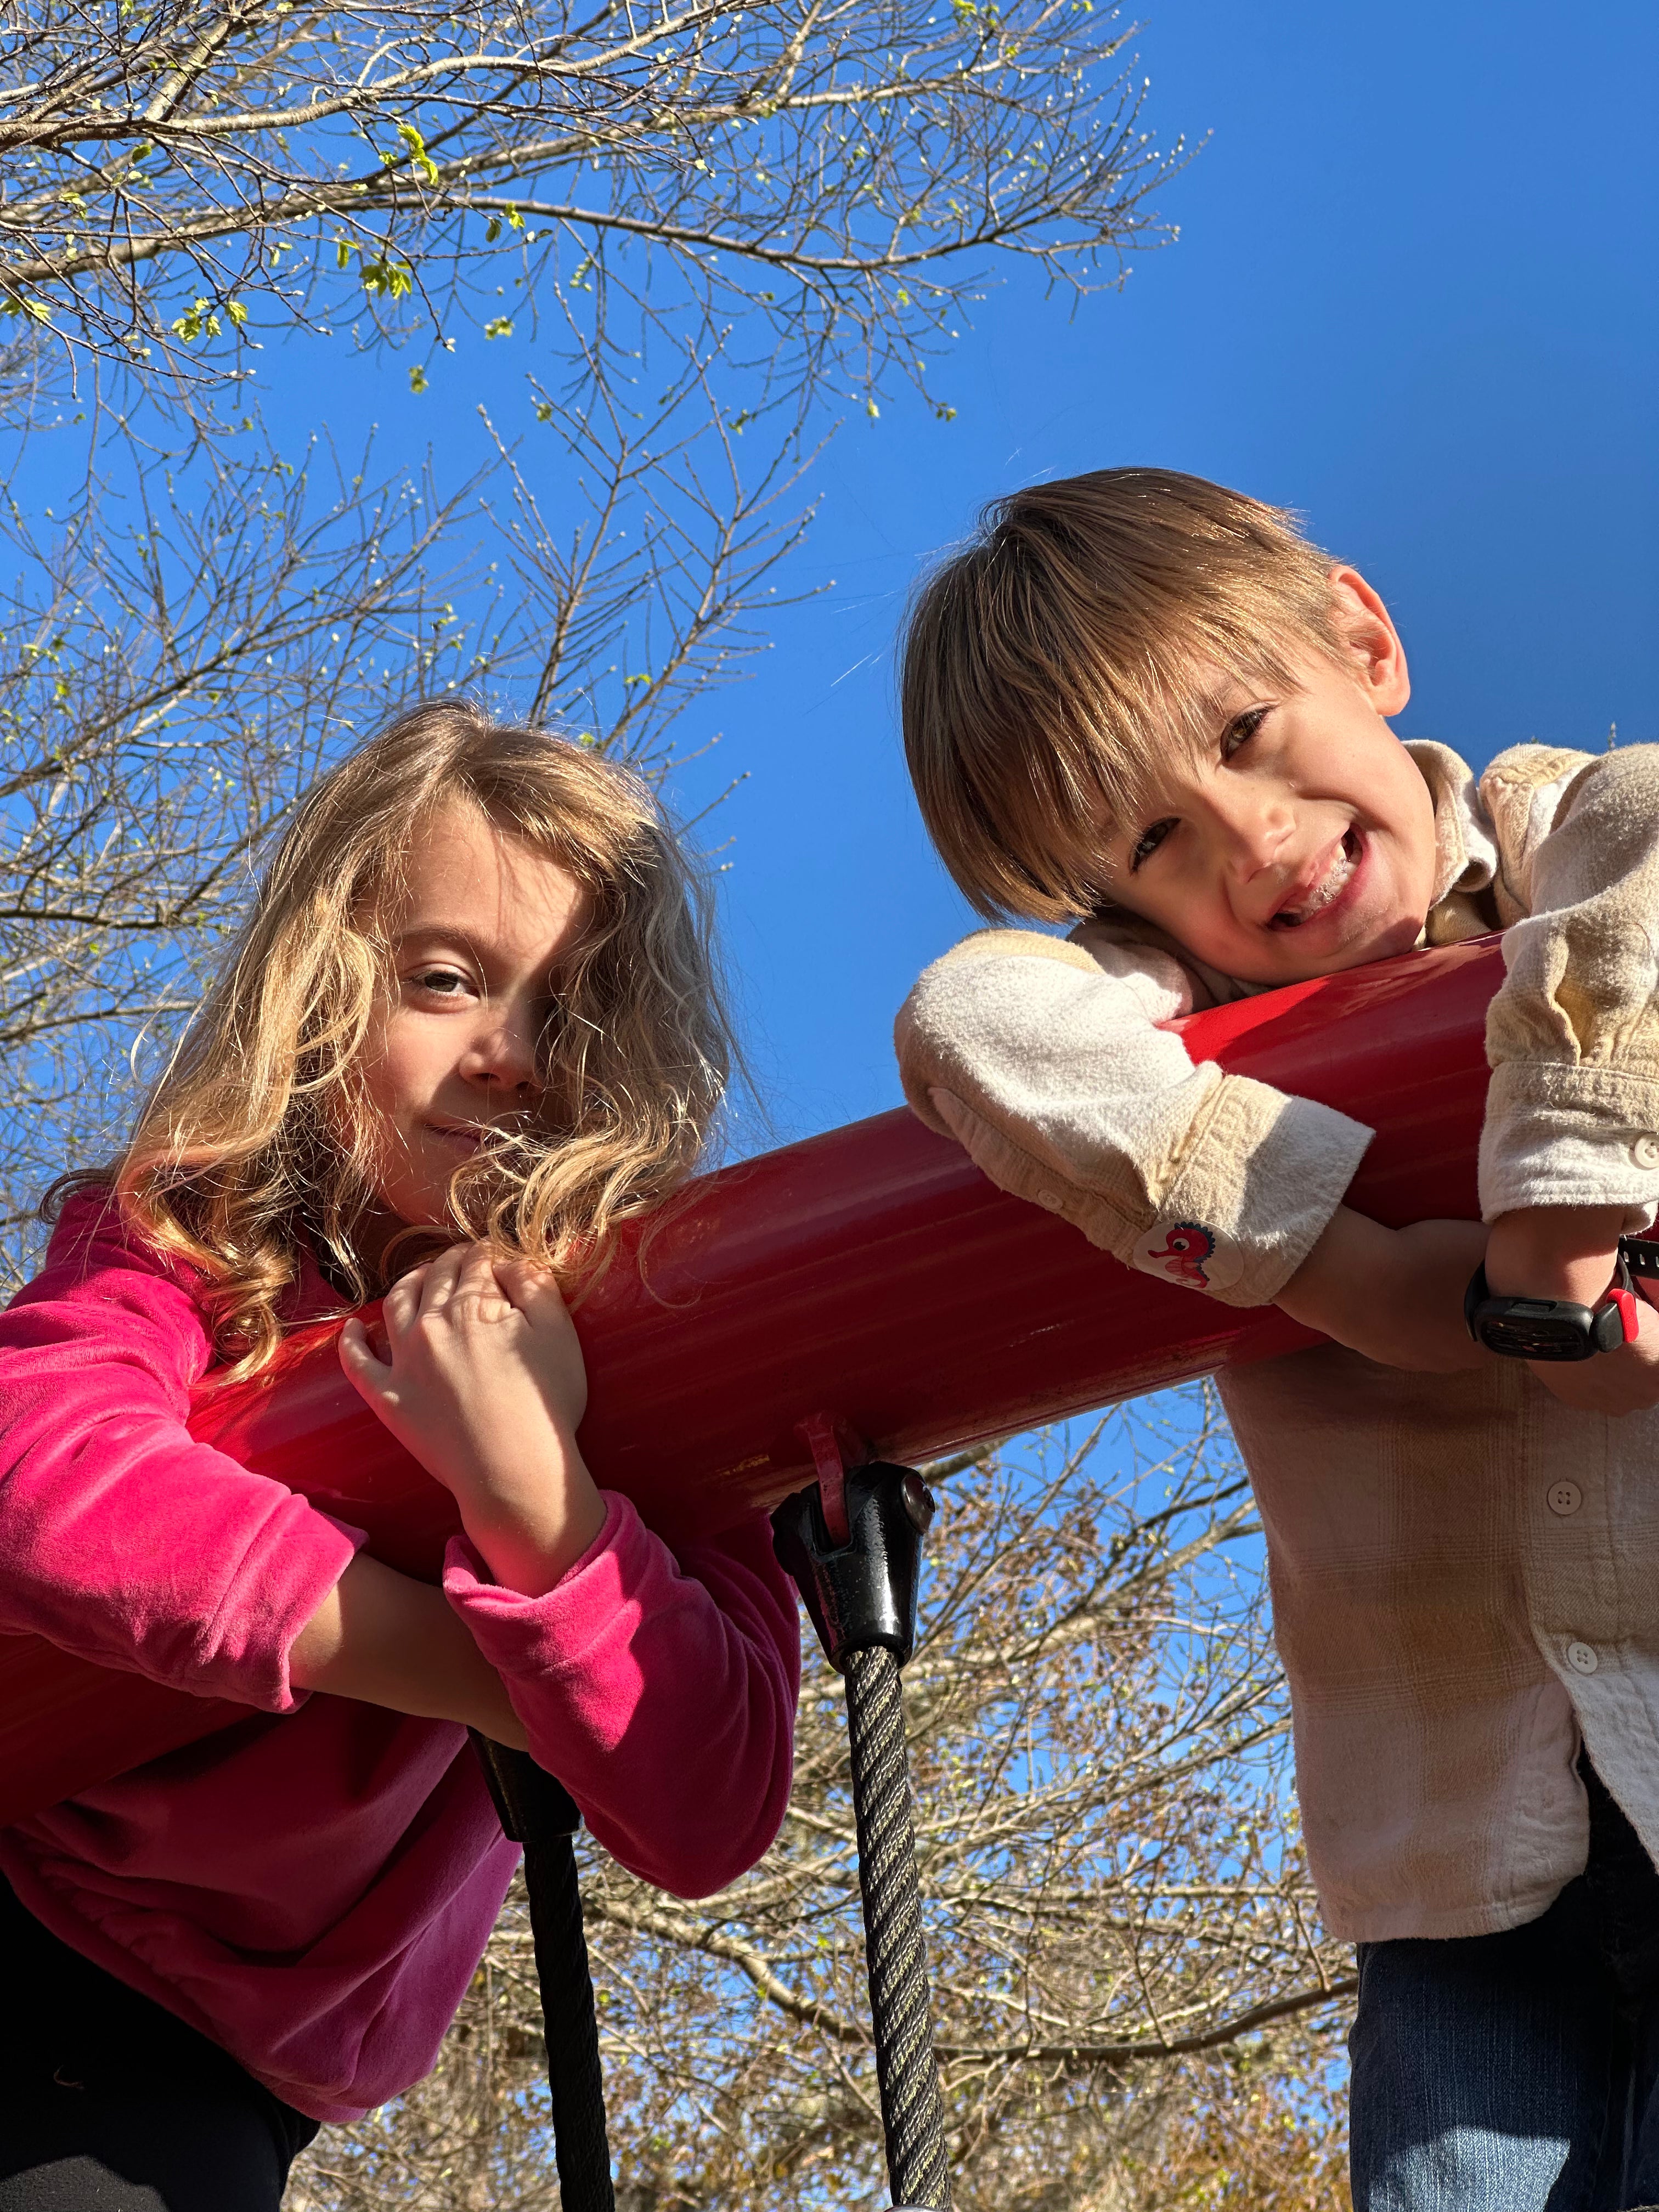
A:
(1540, 1332)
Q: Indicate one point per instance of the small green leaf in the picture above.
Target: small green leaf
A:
(418, 380)
(199, 320)
(419, 157)
(387, 279)
(499, 326)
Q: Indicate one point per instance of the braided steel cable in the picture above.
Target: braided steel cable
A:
(538, 1812)
(912, 2107)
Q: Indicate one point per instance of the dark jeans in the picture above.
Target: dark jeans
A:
(108, 2104)
(1519, 2072)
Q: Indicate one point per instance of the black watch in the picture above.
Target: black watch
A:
(1553, 1328)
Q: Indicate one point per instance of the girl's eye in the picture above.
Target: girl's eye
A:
(440, 982)
(1241, 730)
(1148, 842)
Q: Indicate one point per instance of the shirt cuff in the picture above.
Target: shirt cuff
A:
(1254, 1193)
(329, 1548)
(561, 1641)
(1558, 1134)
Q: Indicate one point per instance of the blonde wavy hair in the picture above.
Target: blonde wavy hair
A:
(254, 1146)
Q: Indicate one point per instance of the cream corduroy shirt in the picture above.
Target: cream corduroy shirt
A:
(1464, 1573)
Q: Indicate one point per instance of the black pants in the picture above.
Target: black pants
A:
(108, 2104)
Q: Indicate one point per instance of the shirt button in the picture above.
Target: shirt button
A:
(1645, 1152)
(1051, 1199)
(1564, 1497)
(1582, 1658)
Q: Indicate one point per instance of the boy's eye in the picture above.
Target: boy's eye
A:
(1241, 730)
(1148, 842)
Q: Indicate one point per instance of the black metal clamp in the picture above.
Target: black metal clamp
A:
(861, 1595)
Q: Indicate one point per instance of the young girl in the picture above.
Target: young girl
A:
(470, 1028)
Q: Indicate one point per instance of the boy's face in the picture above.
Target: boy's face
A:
(1301, 840)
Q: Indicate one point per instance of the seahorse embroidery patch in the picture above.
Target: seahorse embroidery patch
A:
(1184, 1251)
(1189, 1253)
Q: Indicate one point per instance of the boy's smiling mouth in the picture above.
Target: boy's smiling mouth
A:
(1317, 894)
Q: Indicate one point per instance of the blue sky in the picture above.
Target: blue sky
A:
(1412, 296)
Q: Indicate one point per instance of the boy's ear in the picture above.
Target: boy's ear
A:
(1378, 658)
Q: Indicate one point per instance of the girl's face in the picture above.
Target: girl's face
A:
(477, 935)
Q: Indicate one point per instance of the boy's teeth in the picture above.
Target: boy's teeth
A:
(1323, 892)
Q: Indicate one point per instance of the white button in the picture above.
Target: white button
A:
(1645, 1152)
(1051, 1199)
(1582, 1658)
(1564, 1497)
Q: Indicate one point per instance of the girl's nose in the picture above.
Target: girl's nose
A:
(502, 1056)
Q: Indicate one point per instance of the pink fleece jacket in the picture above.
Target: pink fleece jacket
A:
(313, 1888)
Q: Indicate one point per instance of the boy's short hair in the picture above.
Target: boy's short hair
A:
(1049, 667)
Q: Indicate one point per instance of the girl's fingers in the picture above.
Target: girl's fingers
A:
(532, 1290)
(440, 1278)
(478, 1286)
(402, 1302)
(476, 1271)
(370, 1374)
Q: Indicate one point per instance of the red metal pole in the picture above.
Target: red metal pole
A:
(871, 1278)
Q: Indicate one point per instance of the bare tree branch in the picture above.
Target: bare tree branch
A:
(187, 175)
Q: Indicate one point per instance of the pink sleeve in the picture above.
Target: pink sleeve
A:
(661, 1690)
(122, 1540)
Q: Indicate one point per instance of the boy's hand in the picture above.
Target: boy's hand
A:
(1396, 1295)
(1569, 1252)
(483, 1384)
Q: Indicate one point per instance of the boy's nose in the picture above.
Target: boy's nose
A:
(1254, 834)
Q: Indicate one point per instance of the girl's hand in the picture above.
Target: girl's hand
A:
(386, 1640)
(483, 1383)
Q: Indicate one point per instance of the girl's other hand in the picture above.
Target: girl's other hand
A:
(388, 1641)
(483, 1381)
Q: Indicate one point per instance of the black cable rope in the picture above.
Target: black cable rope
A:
(912, 2107)
(859, 1587)
(538, 1812)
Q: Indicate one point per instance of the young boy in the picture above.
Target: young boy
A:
(1146, 706)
